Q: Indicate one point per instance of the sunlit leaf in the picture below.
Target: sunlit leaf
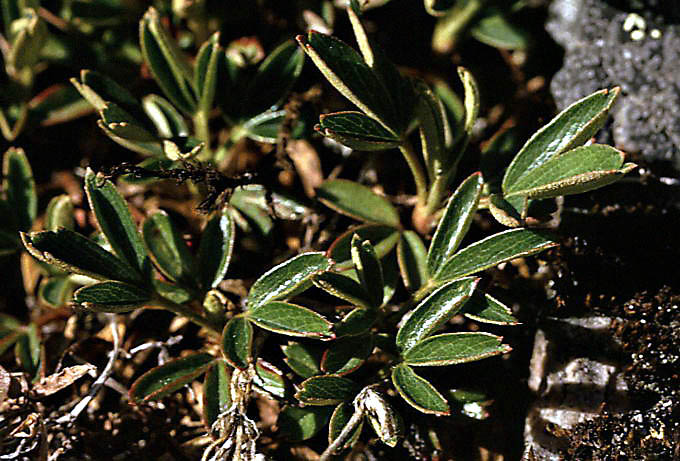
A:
(357, 131)
(237, 342)
(417, 392)
(290, 319)
(170, 377)
(486, 309)
(368, 268)
(453, 348)
(326, 390)
(215, 249)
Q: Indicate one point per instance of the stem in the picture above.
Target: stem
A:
(184, 311)
(414, 164)
(344, 434)
(202, 132)
(437, 192)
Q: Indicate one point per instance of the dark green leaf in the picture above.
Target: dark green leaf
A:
(391, 275)
(357, 201)
(493, 250)
(342, 287)
(412, 256)
(206, 75)
(19, 187)
(99, 89)
(168, 249)
(576, 171)
(114, 297)
(287, 279)
(237, 342)
(339, 419)
(290, 319)
(303, 359)
(434, 311)
(216, 392)
(115, 221)
(452, 348)
(494, 29)
(455, 223)
(274, 78)
(168, 121)
(368, 268)
(214, 252)
(347, 354)
(326, 390)
(383, 238)
(483, 308)
(301, 423)
(351, 76)
(166, 62)
(173, 292)
(124, 125)
(55, 291)
(357, 322)
(357, 131)
(72, 252)
(141, 147)
(170, 377)
(435, 131)
(264, 127)
(59, 213)
(249, 212)
(27, 350)
(571, 128)
(269, 379)
(417, 392)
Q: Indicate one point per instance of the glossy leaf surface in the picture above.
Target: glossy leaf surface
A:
(114, 297)
(417, 392)
(290, 319)
(347, 354)
(287, 279)
(382, 237)
(214, 252)
(326, 390)
(412, 257)
(216, 395)
(486, 309)
(237, 342)
(453, 348)
(303, 359)
(170, 377)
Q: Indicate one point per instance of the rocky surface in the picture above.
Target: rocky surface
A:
(634, 44)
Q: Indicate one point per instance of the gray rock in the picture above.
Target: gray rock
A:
(633, 44)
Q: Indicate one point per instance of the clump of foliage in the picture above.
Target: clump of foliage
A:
(363, 315)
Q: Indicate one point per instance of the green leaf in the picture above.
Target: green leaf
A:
(494, 29)
(166, 62)
(569, 129)
(141, 147)
(115, 221)
(357, 201)
(342, 287)
(326, 390)
(30, 36)
(301, 423)
(290, 319)
(98, 90)
(493, 250)
(412, 257)
(19, 187)
(390, 268)
(269, 379)
(368, 268)
(55, 291)
(383, 238)
(216, 392)
(453, 348)
(436, 137)
(417, 392)
(264, 127)
(72, 252)
(486, 309)
(347, 354)
(357, 131)
(287, 279)
(214, 252)
(576, 171)
(438, 7)
(357, 322)
(114, 297)
(237, 342)
(471, 100)
(170, 377)
(456, 221)
(346, 70)
(434, 311)
(27, 351)
(339, 419)
(124, 125)
(303, 359)
(167, 248)
(207, 70)
(174, 293)
(508, 212)
(275, 77)
(59, 213)
(168, 121)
